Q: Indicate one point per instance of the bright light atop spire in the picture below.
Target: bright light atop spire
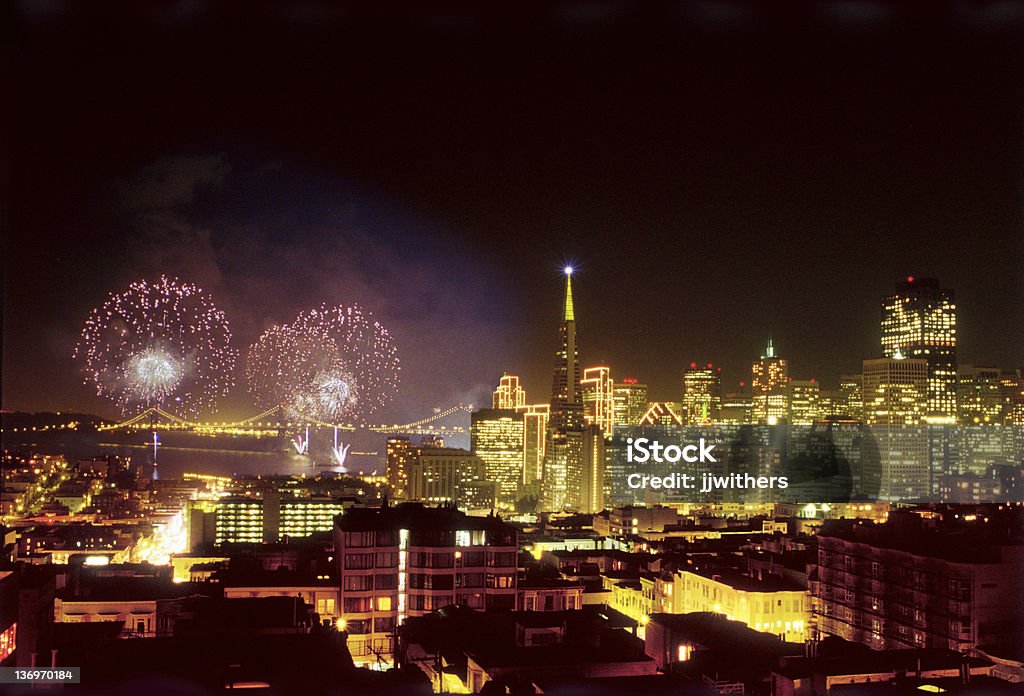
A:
(568, 270)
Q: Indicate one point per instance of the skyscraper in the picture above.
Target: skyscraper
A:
(566, 396)
(535, 437)
(398, 452)
(980, 396)
(895, 408)
(851, 396)
(508, 394)
(496, 436)
(919, 321)
(599, 398)
(565, 448)
(630, 401)
(770, 387)
(702, 394)
(804, 401)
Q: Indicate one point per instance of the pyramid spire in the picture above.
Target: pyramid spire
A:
(568, 314)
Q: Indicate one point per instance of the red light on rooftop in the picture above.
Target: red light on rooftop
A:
(742, 384)
(812, 380)
(910, 279)
(693, 366)
(629, 380)
(709, 365)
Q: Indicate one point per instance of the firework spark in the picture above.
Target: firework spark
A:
(331, 364)
(157, 342)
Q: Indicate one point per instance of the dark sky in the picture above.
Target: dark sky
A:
(716, 170)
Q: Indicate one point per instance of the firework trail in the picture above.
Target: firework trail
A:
(331, 364)
(157, 343)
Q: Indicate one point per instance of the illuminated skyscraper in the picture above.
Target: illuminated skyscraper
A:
(770, 387)
(566, 397)
(630, 401)
(851, 397)
(496, 436)
(804, 401)
(585, 477)
(702, 394)
(919, 321)
(895, 411)
(398, 451)
(599, 398)
(535, 435)
(980, 397)
(564, 450)
(509, 394)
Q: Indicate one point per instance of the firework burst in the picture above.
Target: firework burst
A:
(155, 343)
(331, 364)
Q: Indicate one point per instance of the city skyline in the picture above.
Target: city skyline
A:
(699, 219)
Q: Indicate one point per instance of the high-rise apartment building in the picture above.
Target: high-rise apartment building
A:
(497, 437)
(598, 398)
(702, 394)
(508, 395)
(397, 453)
(919, 321)
(397, 562)
(585, 475)
(895, 408)
(770, 387)
(630, 401)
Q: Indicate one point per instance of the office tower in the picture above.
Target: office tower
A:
(566, 399)
(630, 401)
(397, 453)
(702, 394)
(403, 561)
(895, 408)
(979, 395)
(598, 397)
(921, 583)
(1012, 384)
(804, 401)
(770, 387)
(851, 396)
(432, 440)
(737, 407)
(585, 475)
(564, 449)
(919, 321)
(562, 459)
(497, 437)
(444, 475)
(509, 394)
(535, 434)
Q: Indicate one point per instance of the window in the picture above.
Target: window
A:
(358, 561)
(325, 606)
(359, 539)
(383, 624)
(384, 603)
(357, 605)
(387, 581)
(387, 559)
(357, 583)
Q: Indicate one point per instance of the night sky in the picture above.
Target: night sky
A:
(716, 171)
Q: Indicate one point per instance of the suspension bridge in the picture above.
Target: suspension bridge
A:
(273, 422)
